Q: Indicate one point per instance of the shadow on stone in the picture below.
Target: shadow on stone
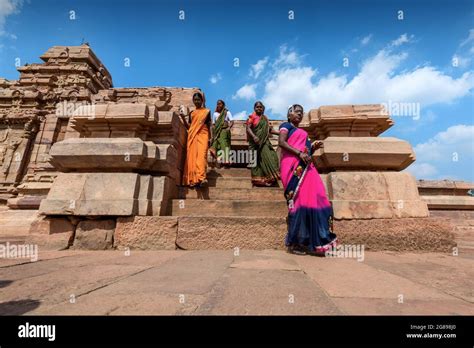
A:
(18, 307)
(5, 283)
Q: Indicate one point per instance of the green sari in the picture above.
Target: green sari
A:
(266, 172)
(221, 138)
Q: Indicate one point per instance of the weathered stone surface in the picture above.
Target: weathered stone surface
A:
(93, 194)
(218, 208)
(55, 241)
(449, 202)
(15, 222)
(367, 195)
(348, 121)
(195, 233)
(117, 154)
(98, 154)
(51, 225)
(94, 235)
(364, 153)
(446, 194)
(454, 187)
(51, 233)
(164, 189)
(25, 202)
(248, 194)
(146, 232)
(403, 195)
(408, 234)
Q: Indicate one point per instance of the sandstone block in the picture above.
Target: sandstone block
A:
(444, 202)
(348, 121)
(93, 194)
(94, 235)
(407, 234)
(196, 233)
(51, 225)
(369, 195)
(146, 232)
(364, 153)
(56, 241)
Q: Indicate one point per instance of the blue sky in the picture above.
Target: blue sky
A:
(332, 52)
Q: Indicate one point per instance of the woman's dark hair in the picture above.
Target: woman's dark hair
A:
(223, 103)
(291, 109)
(259, 102)
(198, 94)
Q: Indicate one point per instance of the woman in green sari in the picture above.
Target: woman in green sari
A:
(220, 141)
(266, 171)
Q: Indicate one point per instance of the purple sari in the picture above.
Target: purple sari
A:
(310, 213)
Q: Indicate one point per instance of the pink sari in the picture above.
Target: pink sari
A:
(310, 213)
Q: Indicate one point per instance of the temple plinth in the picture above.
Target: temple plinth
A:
(85, 165)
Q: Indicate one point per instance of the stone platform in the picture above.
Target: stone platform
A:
(225, 283)
(89, 166)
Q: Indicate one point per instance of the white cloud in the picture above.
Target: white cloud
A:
(287, 57)
(447, 150)
(365, 40)
(462, 62)
(401, 40)
(470, 38)
(246, 92)
(257, 68)
(462, 57)
(242, 115)
(7, 8)
(376, 82)
(215, 78)
(456, 139)
(423, 170)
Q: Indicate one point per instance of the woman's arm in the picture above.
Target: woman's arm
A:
(252, 135)
(283, 143)
(208, 123)
(274, 132)
(186, 124)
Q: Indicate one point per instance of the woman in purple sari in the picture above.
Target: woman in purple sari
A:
(310, 213)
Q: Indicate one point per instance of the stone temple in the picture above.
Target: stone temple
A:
(85, 165)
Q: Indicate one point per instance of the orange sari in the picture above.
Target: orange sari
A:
(195, 167)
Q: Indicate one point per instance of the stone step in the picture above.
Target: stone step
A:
(461, 222)
(13, 239)
(444, 202)
(230, 182)
(228, 172)
(220, 208)
(454, 214)
(233, 182)
(248, 194)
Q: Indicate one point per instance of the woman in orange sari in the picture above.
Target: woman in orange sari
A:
(198, 127)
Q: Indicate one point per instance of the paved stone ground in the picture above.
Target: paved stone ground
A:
(217, 282)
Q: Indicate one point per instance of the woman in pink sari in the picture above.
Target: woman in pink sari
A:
(310, 213)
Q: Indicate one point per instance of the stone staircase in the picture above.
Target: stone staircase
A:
(229, 213)
(230, 193)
